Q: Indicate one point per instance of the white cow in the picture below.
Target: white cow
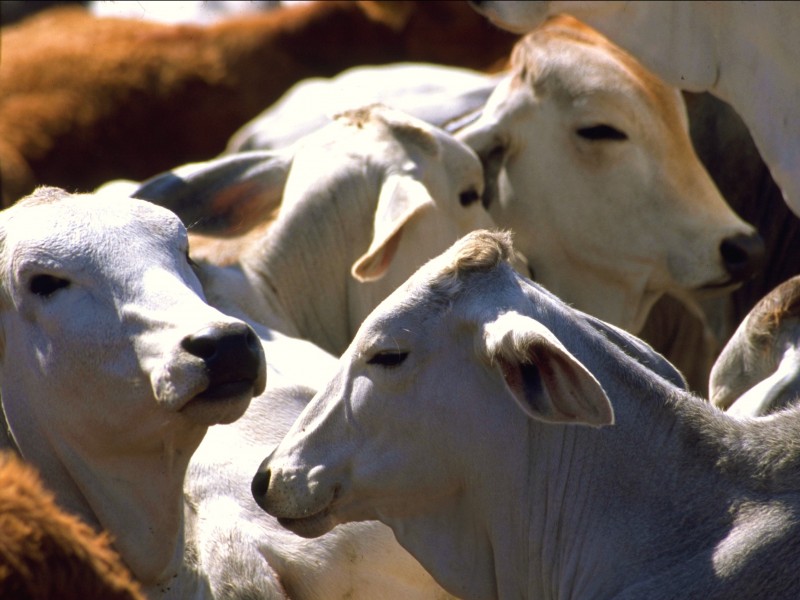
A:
(517, 452)
(366, 201)
(758, 370)
(437, 94)
(112, 369)
(587, 158)
(742, 52)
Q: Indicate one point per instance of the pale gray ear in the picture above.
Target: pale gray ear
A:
(401, 198)
(490, 142)
(226, 196)
(545, 379)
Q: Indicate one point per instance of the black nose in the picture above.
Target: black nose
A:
(260, 483)
(744, 255)
(231, 352)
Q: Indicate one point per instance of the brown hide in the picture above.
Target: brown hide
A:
(84, 100)
(46, 553)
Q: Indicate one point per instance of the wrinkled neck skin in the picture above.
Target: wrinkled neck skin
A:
(570, 532)
(598, 291)
(137, 497)
(306, 256)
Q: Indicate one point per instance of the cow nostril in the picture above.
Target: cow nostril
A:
(744, 255)
(231, 352)
(260, 485)
(202, 344)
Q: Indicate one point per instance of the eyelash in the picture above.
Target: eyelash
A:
(601, 132)
(45, 286)
(388, 359)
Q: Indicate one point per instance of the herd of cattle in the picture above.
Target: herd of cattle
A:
(290, 363)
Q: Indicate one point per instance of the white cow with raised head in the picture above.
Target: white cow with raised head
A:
(112, 369)
(588, 160)
(758, 370)
(742, 52)
(519, 452)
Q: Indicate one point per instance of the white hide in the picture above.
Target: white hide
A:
(110, 378)
(434, 93)
(518, 453)
(100, 390)
(758, 370)
(589, 161)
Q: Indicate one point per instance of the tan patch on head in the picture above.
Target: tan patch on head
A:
(478, 251)
(780, 304)
(405, 132)
(528, 51)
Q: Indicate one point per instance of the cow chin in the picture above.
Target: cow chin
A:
(310, 527)
(219, 408)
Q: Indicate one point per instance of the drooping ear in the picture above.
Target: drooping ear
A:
(226, 196)
(489, 141)
(401, 198)
(545, 379)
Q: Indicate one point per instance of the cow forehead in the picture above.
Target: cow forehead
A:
(549, 56)
(76, 228)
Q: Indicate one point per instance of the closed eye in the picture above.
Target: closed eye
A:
(388, 359)
(46, 285)
(601, 132)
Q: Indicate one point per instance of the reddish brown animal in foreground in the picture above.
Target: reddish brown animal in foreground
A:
(84, 100)
(46, 553)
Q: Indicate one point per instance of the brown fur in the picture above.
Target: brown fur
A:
(46, 553)
(85, 100)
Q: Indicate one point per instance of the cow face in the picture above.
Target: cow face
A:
(107, 343)
(428, 382)
(588, 159)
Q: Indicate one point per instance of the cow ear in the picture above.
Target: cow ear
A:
(401, 198)
(488, 140)
(545, 379)
(226, 196)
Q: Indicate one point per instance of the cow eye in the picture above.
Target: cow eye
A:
(46, 285)
(601, 132)
(469, 196)
(388, 359)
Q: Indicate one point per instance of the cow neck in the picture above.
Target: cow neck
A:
(621, 302)
(657, 493)
(306, 256)
(138, 498)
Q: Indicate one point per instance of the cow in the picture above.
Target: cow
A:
(575, 103)
(363, 202)
(113, 367)
(516, 450)
(726, 48)
(758, 370)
